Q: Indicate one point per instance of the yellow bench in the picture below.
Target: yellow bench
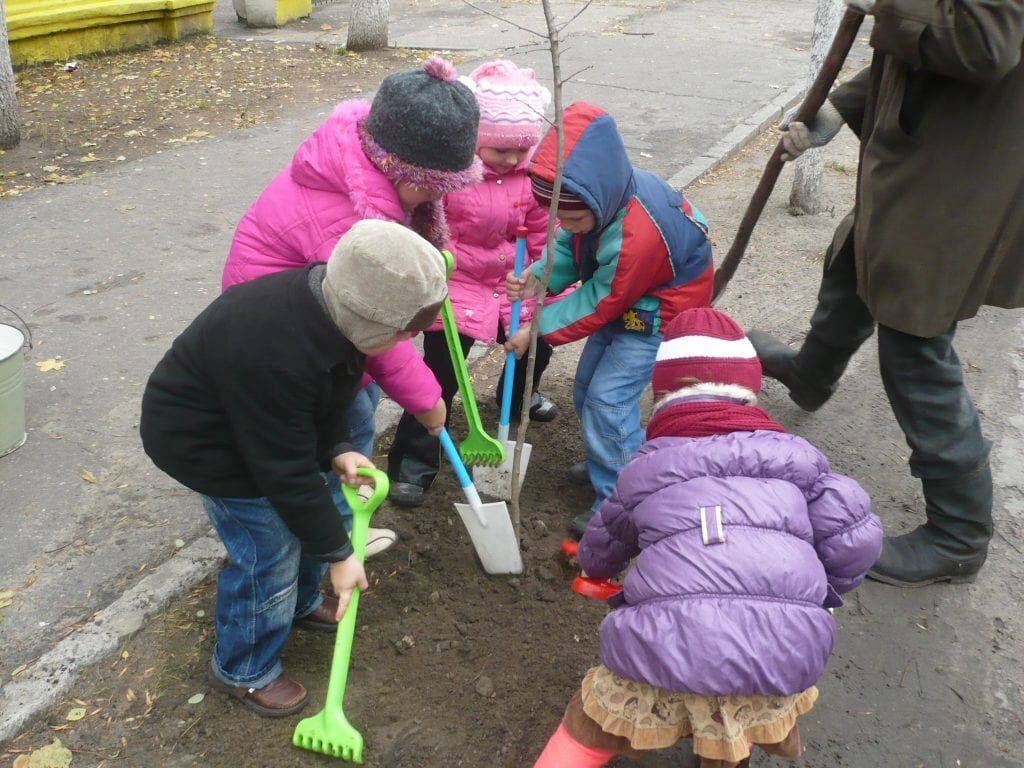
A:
(52, 30)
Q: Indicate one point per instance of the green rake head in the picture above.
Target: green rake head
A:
(478, 448)
(329, 733)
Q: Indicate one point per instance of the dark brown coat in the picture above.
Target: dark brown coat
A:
(939, 218)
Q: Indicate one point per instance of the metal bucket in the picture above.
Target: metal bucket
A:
(12, 389)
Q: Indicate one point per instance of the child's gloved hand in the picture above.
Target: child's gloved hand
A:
(346, 575)
(798, 137)
(518, 287)
(433, 420)
(519, 342)
(346, 464)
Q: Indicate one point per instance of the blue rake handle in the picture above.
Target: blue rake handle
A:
(513, 326)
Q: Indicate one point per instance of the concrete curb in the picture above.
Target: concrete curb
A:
(738, 137)
(38, 687)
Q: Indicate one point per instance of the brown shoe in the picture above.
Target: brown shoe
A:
(280, 698)
(322, 619)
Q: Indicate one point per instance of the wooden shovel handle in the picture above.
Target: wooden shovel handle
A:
(816, 95)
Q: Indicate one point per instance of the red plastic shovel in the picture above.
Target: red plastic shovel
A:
(599, 589)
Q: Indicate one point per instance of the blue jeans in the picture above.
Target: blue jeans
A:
(268, 582)
(613, 370)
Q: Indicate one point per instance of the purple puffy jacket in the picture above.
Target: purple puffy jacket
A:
(742, 541)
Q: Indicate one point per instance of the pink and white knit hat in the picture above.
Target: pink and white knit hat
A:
(707, 350)
(512, 104)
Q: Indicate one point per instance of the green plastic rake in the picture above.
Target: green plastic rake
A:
(477, 447)
(329, 731)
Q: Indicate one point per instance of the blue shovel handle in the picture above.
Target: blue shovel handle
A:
(513, 326)
(472, 496)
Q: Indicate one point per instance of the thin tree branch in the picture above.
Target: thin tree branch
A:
(502, 18)
(524, 416)
(574, 16)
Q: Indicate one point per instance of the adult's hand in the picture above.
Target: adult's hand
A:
(346, 464)
(867, 7)
(346, 575)
(798, 137)
(433, 420)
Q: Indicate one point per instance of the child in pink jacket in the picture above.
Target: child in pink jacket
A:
(392, 160)
(482, 220)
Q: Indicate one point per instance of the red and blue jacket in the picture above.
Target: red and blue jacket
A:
(647, 259)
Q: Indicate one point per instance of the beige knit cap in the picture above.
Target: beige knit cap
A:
(383, 278)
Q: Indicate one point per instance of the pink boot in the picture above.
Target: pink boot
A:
(563, 751)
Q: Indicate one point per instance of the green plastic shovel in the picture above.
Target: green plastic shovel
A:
(329, 731)
(477, 447)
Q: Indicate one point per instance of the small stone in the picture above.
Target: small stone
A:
(540, 527)
(484, 686)
(435, 596)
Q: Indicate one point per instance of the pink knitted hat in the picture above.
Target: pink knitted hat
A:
(512, 104)
(708, 346)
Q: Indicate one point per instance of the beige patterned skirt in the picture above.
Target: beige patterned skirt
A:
(721, 727)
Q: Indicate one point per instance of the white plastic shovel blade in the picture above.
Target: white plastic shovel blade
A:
(493, 537)
(497, 481)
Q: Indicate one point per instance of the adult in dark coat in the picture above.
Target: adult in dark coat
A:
(248, 409)
(937, 232)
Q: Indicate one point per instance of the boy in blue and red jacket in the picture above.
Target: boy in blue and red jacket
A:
(642, 254)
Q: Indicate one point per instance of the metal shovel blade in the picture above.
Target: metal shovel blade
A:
(489, 525)
(497, 481)
(494, 539)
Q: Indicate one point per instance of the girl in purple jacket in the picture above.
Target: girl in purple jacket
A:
(482, 222)
(743, 539)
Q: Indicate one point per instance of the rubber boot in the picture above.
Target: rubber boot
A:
(810, 374)
(952, 545)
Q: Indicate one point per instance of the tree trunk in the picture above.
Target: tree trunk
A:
(808, 179)
(368, 25)
(10, 128)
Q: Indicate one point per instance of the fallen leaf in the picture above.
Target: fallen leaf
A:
(89, 158)
(197, 698)
(50, 365)
(21, 761)
(325, 26)
(52, 756)
(88, 476)
(130, 695)
(75, 714)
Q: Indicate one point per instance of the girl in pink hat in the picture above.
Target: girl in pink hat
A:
(482, 222)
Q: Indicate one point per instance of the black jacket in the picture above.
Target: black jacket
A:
(251, 400)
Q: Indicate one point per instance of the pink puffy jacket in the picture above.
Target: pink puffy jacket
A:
(482, 221)
(300, 216)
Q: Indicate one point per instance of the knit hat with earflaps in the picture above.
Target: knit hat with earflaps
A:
(705, 351)
(383, 278)
(422, 128)
(512, 104)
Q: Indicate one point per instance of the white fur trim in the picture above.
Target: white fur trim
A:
(734, 391)
(705, 346)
